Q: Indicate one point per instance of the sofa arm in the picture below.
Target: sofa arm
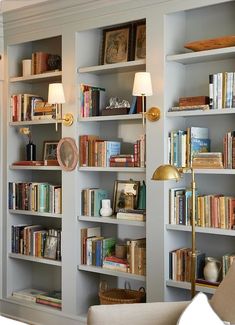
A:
(156, 313)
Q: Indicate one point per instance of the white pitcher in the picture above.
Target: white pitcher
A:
(212, 269)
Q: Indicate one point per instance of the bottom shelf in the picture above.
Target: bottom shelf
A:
(100, 270)
(187, 286)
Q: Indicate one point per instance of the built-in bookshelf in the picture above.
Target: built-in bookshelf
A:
(176, 72)
(119, 131)
(34, 210)
(191, 71)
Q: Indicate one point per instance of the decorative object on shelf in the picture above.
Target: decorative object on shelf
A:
(54, 62)
(50, 150)
(170, 172)
(106, 210)
(50, 249)
(116, 44)
(120, 296)
(30, 147)
(212, 269)
(125, 195)
(140, 40)
(117, 106)
(143, 87)
(67, 154)
(212, 43)
(56, 97)
(142, 196)
(26, 67)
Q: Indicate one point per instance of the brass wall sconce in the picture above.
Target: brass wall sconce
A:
(143, 87)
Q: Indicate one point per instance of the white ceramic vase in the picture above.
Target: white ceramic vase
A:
(106, 210)
(212, 269)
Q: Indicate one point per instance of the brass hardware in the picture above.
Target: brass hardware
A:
(67, 119)
(153, 114)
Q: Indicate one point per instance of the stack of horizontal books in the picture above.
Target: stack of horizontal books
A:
(131, 214)
(51, 299)
(208, 160)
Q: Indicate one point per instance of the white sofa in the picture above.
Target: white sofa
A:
(164, 313)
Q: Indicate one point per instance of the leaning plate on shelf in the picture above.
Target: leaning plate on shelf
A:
(212, 43)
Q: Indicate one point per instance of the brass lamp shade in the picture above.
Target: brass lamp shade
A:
(166, 172)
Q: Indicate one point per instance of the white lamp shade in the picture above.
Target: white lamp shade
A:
(142, 84)
(56, 94)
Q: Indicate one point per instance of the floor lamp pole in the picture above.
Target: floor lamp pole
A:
(193, 221)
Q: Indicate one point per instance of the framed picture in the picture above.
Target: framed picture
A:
(67, 154)
(125, 195)
(116, 44)
(140, 41)
(50, 247)
(50, 150)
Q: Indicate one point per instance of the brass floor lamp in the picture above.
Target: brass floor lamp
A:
(169, 172)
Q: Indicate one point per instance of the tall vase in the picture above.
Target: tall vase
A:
(30, 151)
(106, 210)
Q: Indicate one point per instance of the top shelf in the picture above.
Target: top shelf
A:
(52, 76)
(114, 67)
(203, 56)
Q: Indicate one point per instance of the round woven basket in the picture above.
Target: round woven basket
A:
(121, 296)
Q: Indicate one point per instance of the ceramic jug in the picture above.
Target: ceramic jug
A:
(212, 269)
(106, 210)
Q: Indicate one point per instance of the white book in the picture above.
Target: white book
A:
(28, 294)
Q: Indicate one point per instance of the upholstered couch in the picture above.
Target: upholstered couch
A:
(164, 313)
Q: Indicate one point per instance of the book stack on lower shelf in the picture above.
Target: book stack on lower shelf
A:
(50, 299)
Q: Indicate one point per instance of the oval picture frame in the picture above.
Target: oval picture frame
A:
(67, 154)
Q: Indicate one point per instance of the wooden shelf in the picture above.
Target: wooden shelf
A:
(114, 67)
(205, 230)
(203, 56)
(46, 76)
(113, 169)
(112, 220)
(34, 259)
(187, 286)
(39, 214)
(101, 270)
(111, 118)
(208, 112)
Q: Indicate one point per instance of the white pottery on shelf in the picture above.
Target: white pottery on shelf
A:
(106, 210)
(212, 269)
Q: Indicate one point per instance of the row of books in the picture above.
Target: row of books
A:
(216, 211)
(24, 106)
(51, 298)
(184, 144)
(40, 197)
(35, 240)
(100, 251)
(222, 90)
(97, 152)
(44, 61)
(180, 264)
(92, 99)
(91, 200)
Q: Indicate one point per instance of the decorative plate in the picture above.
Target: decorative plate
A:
(209, 44)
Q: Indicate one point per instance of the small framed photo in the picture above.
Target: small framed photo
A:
(140, 41)
(125, 195)
(116, 44)
(50, 150)
(50, 249)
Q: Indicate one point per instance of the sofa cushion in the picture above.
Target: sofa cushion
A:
(224, 297)
(199, 311)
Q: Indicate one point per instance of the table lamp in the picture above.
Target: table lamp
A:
(169, 172)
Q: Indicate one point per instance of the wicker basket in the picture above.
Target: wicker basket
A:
(120, 296)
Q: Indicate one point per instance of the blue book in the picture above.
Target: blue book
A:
(200, 141)
(98, 252)
(99, 195)
(133, 105)
(112, 148)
